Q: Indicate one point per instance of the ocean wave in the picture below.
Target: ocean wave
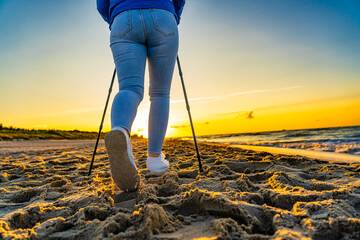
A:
(327, 146)
(298, 134)
(336, 139)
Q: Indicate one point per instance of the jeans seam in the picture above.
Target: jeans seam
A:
(157, 27)
(143, 23)
(130, 25)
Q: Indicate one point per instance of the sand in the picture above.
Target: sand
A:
(242, 194)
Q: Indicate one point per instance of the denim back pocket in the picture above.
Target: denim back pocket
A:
(164, 21)
(121, 24)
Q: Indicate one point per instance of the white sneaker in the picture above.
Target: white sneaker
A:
(128, 145)
(157, 164)
(122, 164)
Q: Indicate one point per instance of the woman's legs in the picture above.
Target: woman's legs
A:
(162, 52)
(129, 52)
(130, 66)
(135, 35)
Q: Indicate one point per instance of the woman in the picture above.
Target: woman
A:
(140, 30)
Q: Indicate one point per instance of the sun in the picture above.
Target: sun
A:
(140, 124)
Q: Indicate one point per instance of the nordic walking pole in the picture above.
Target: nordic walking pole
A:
(188, 110)
(102, 121)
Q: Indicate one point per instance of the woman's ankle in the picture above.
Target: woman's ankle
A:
(151, 154)
(118, 128)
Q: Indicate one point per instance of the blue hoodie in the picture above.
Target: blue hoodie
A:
(108, 9)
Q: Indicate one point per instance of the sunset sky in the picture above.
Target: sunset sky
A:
(248, 66)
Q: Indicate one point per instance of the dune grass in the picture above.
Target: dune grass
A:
(14, 133)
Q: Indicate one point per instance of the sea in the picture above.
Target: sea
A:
(333, 139)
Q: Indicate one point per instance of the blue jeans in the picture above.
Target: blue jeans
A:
(136, 35)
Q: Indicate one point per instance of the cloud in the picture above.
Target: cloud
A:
(178, 126)
(219, 98)
(312, 101)
(237, 114)
(262, 91)
(41, 126)
(70, 112)
(249, 115)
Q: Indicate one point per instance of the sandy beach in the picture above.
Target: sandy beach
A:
(45, 193)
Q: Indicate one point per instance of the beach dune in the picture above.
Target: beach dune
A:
(45, 193)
